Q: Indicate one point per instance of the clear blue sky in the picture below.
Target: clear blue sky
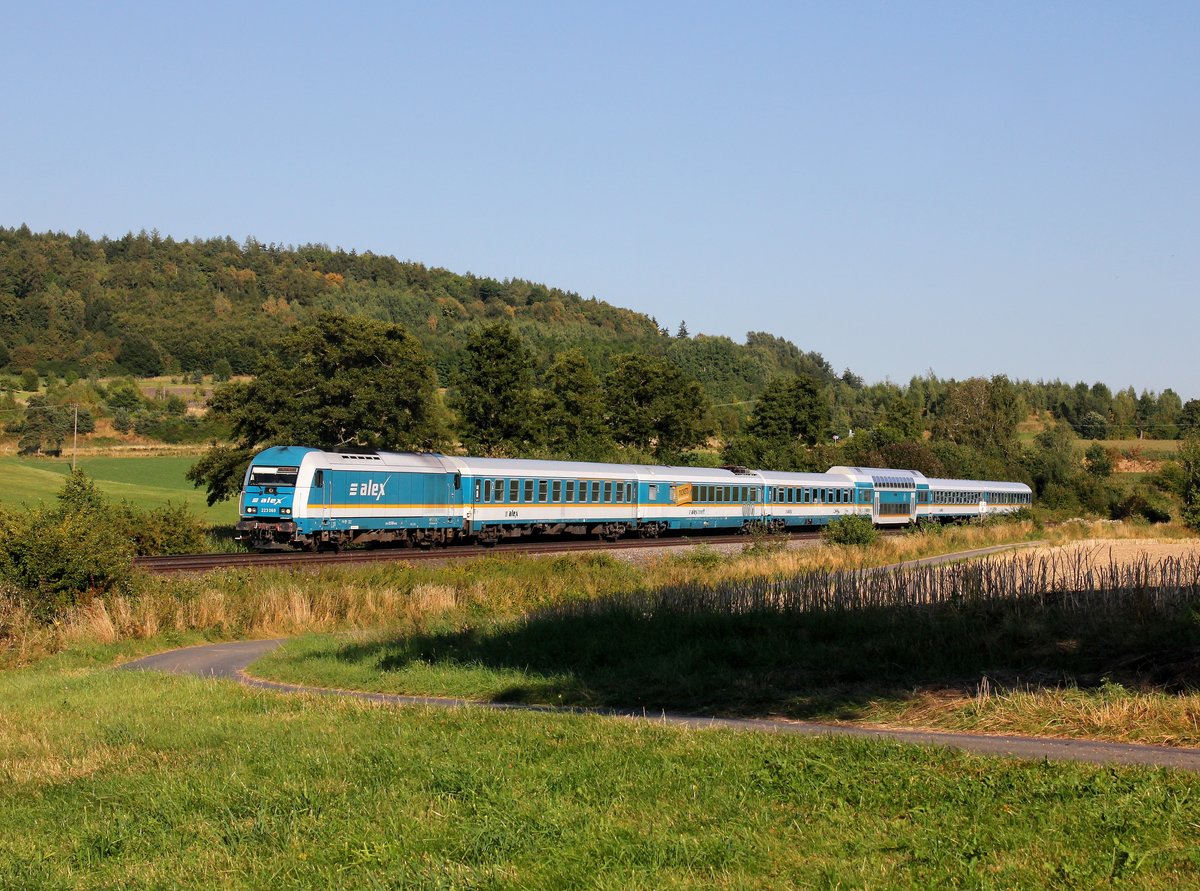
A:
(969, 188)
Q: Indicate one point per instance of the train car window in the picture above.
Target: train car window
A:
(487, 490)
(556, 491)
(498, 489)
(570, 491)
(595, 492)
(543, 488)
(514, 490)
(620, 493)
(629, 492)
(528, 491)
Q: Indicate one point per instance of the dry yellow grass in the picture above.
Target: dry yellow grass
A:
(1111, 712)
(232, 604)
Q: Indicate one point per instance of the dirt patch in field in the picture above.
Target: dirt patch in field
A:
(1136, 465)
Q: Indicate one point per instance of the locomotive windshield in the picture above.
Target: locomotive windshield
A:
(273, 476)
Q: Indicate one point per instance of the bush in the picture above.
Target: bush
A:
(85, 545)
(850, 531)
(57, 558)
(1143, 503)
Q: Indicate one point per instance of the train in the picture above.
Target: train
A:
(306, 498)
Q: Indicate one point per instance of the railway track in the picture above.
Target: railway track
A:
(315, 561)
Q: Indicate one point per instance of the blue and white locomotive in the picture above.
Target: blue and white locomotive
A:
(302, 497)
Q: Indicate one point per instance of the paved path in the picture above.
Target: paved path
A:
(229, 661)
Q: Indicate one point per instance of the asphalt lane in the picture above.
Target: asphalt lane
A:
(230, 660)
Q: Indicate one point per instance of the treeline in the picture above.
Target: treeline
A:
(146, 305)
(53, 415)
(348, 383)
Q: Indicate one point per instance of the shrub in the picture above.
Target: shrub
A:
(57, 558)
(850, 531)
(85, 545)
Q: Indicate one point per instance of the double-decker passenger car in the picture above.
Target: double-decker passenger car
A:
(301, 497)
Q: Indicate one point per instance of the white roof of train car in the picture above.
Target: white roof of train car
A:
(977, 485)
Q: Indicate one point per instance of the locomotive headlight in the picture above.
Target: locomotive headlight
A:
(252, 510)
(286, 511)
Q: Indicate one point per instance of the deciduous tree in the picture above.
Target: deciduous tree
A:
(651, 404)
(336, 383)
(571, 418)
(493, 392)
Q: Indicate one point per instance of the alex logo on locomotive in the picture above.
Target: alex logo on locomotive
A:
(369, 489)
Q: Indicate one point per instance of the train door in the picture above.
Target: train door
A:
(325, 486)
(875, 508)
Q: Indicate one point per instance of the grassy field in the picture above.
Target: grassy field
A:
(146, 481)
(1029, 644)
(112, 779)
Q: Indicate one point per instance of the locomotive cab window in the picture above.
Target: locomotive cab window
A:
(273, 476)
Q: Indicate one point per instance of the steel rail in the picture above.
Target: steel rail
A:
(314, 561)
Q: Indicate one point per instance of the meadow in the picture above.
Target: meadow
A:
(124, 779)
(146, 481)
(111, 778)
(1039, 644)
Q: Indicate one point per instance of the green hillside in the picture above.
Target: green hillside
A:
(146, 482)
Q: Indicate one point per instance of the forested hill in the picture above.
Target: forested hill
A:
(144, 304)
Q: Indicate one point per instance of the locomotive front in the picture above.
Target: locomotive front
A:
(266, 505)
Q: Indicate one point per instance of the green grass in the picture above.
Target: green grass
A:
(111, 779)
(145, 481)
(789, 646)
